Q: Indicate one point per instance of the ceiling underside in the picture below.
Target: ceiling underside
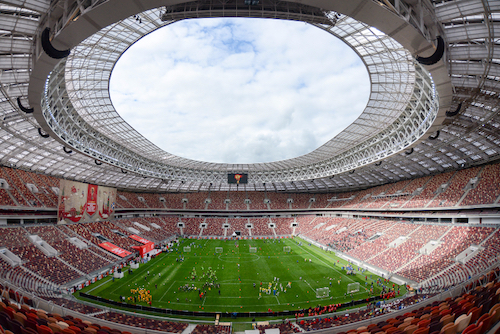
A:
(471, 30)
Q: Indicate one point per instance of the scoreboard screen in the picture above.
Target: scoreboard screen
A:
(241, 178)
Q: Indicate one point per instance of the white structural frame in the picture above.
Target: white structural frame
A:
(76, 107)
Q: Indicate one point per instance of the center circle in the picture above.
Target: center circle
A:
(239, 90)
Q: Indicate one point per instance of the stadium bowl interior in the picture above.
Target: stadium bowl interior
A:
(409, 191)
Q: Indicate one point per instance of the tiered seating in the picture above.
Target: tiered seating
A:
(169, 224)
(22, 278)
(359, 195)
(366, 201)
(237, 224)
(285, 328)
(278, 201)
(260, 226)
(429, 191)
(237, 200)
(13, 188)
(257, 200)
(123, 202)
(371, 248)
(152, 200)
(308, 227)
(45, 183)
(154, 234)
(487, 257)
(305, 223)
(5, 198)
(393, 189)
(477, 308)
(454, 242)
(192, 226)
(81, 259)
(104, 228)
(49, 268)
(19, 184)
(133, 200)
(211, 329)
(300, 201)
(196, 201)
(321, 201)
(341, 199)
(75, 306)
(161, 325)
(397, 202)
(349, 239)
(214, 227)
(218, 199)
(455, 189)
(283, 225)
(487, 190)
(25, 178)
(78, 230)
(393, 258)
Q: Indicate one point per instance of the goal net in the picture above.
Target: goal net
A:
(219, 249)
(253, 249)
(286, 249)
(322, 292)
(352, 287)
(187, 249)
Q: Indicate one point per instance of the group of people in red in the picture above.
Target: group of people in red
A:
(318, 310)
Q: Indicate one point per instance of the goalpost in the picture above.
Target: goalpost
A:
(187, 249)
(322, 292)
(352, 287)
(253, 249)
(286, 249)
(219, 249)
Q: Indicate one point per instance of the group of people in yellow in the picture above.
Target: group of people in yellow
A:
(143, 295)
(274, 290)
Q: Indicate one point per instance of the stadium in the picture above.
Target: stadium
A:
(102, 231)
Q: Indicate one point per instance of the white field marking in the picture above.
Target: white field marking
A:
(167, 279)
(277, 300)
(328, 265)
(311, 287)
(98, 286)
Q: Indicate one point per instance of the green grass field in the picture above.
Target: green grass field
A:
(236, 270)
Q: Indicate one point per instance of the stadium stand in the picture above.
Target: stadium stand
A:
(260, 226)
(196, 201)
(278, 201)
(257, 200)
(152, 200)
(237, 199)
(13, 188)
(456, 188)
(283, 226)
(218, 200)
(238, 225)
(192, 226)
(214, 226)
(5, 199)
(476, 306)
(487, 190)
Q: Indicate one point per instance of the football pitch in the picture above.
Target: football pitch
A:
(225, 276)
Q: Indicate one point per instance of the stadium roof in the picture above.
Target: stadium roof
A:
(392, 140)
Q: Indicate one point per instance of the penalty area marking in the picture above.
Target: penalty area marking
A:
(98, 286)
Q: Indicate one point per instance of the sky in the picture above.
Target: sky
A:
(239, 90)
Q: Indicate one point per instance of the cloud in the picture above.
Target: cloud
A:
(239, 90)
